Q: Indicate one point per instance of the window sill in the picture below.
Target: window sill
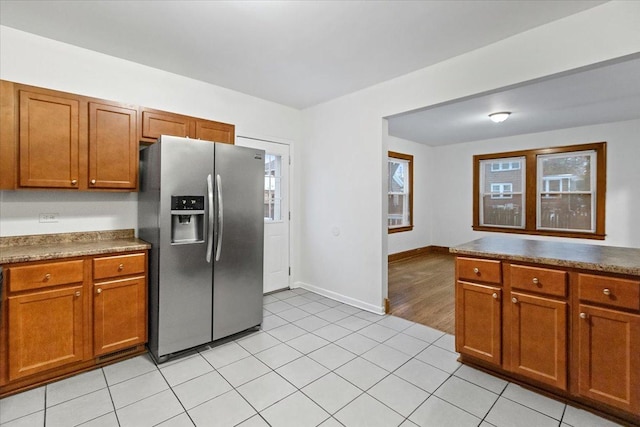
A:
(570, 234)
(400, 229)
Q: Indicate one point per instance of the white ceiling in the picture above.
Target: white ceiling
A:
(297, 53)
(301, 53)
(600, 94)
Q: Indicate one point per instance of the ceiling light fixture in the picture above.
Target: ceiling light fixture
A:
(499, 117)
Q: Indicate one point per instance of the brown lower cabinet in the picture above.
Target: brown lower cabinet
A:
(479, 320)
(538, 338)
(66, 316)
(46, 330)
(609, 357)
(564, 331)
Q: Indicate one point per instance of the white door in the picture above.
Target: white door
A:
(276, 211)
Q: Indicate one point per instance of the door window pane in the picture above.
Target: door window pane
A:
(272, 187)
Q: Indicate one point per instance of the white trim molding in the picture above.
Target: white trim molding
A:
(342, 298)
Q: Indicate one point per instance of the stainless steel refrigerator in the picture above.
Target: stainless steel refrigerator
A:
(200, 205)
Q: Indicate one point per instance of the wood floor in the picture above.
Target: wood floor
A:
(421, 289)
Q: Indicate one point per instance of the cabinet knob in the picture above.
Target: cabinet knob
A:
(99, 290)
(74, 181)
(495, 295)
(476, 270)
(121, 267)
(514, 300)
(606, 291)
(77, 293)
(93, 182)
(47, 277)
(535, 281)
(583, 315)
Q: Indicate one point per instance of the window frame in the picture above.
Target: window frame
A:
(531, 191)
(409, 159)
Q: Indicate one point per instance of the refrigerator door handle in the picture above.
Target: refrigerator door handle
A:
(220, 217)
(210, 220)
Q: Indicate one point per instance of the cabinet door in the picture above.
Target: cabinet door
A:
(478, 321)
(119, 315)
(609, 361)
(49, 140)
(113, 146)
(539, 338)
(8, 136)
(45, 330)
(215, 131)
(156, 123)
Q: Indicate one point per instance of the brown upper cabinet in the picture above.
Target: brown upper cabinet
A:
(156, 123)
(49, 140)
(113, 146)
(53, 139)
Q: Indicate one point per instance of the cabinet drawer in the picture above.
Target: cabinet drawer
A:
(479, 270)
(609, 291)
(44, 275)
(541, 280)
(116, 266)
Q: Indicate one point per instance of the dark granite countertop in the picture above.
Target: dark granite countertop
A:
(609, 259)
(40, 247)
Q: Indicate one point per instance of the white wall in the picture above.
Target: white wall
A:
(453, 215)
(343, 167)
(423, 182)
(38, 61)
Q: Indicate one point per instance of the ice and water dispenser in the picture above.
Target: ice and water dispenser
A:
(187, 219)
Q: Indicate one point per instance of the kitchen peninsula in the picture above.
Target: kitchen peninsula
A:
(559, 317)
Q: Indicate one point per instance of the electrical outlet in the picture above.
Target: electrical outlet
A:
(49, 217)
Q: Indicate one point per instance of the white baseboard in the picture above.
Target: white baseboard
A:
(339, 297)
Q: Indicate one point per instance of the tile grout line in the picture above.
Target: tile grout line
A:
(115, 412)
(175, 395)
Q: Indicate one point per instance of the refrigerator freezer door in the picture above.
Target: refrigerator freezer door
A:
(185, 276)
(237, 291)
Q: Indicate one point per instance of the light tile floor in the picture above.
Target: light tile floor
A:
(316, 362)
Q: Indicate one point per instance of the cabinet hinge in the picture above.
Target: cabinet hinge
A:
(289, 271)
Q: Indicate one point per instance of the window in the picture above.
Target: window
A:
(502, 202)
(566, 188)
(400, 188)
(272, 187)
(553, 191)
